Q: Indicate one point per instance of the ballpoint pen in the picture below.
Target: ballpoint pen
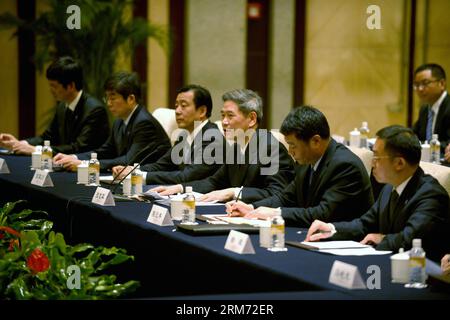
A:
(239, 194)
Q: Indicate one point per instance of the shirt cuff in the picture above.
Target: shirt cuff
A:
(277, 211)
(333, 228)
(236, 193)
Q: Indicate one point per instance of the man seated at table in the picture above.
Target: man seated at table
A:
(193, 154)
(434, 115)
(411, 205)
(80, 122)
(257, 161)
(134, 130)
(331, 182)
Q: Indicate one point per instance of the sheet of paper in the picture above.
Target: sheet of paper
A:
(355, 252)
(236, 220)
(346, 244)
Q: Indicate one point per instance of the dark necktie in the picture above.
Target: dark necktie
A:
(429, 131)
(68, 118)
(392, 204)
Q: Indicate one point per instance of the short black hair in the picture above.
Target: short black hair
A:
(125, 84)
(66, 70)
(436, 70)
(305, 122)
(202, 97)
(401, 142)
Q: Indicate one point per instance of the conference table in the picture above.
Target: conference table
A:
(174, 265)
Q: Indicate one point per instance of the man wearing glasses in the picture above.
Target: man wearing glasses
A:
(411, 205)
(434, 116)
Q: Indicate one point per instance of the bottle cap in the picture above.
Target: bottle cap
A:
(417, 243)
(435, 136)
(94, 155)
(364, 124)
(46, 143)
(188, 189)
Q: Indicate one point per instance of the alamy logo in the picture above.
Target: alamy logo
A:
(374, 20)
(74, 20)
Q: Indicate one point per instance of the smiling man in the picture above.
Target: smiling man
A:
(331, 182)
(434, 116)
(411, 205)
(189, 158)
(133, 131)
(256, 160)
(80, 122)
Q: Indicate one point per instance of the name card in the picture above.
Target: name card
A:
(3, 166)
(42, 178)
(239, 242)
(103, 197)
(346, 275)
(160, 216)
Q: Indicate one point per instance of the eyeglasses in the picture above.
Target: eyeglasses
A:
(109, 98)
(377, 158)
(423, 84)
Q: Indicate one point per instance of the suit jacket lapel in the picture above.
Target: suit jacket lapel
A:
(440, 115)
(320, 172)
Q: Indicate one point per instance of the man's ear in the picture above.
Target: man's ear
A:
(399, 163)
(71, 86)
(253, 119)
(131, 99)
(202, 111)
(315, 140)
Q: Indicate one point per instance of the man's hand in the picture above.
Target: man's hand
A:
(445, 264)
(117, 169)
(7, 140)
(68, 161)
(23, 147)
(447, 153)
(318, 230)
(219, 195)
(262, 213)
(238, 209)
(372, 239)
(168, 190)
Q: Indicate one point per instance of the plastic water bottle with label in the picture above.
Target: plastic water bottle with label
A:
(136, 180)
(47, 156)
(277, 231)
(417, 272)
(94, 171)
(188, 210)
(355, 138)
(435, 147)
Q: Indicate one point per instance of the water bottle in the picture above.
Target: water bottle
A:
(36, 158)
(136, 180)
(355, 138)
(47, 156)
(277, 234)
(93, 170)
(435, 147)
(188, 211)
(417, 272)
(364, 131)
(425, 152)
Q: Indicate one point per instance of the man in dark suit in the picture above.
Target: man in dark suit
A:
(331, 182)
(411, 205)
(134, 130)
(193, 154)
(257, 161)
(434, 115)
(80, 122)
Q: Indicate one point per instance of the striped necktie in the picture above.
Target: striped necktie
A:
(429, 131)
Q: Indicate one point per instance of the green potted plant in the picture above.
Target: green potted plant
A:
(36, 263)
(104, 30)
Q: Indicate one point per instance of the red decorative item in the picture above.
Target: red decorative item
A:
(38, 261)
